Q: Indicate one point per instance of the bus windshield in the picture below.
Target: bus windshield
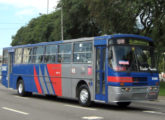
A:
(132, 58)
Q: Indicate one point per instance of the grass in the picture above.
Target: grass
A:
(162, 89)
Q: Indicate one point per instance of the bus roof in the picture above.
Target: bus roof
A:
(50, 43)
(84, 39)
(125, 36)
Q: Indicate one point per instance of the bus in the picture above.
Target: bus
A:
(118, 68)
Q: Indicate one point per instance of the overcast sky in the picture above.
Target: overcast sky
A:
(17, 13)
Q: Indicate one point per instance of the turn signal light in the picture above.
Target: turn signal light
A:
(122, 84)
(157, 83)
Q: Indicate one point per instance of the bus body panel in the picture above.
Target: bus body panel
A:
(138, 83)
(116, 94)
(4, 75)
(53, 79)
(82, 72)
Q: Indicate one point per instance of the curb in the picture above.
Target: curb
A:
(161, 98)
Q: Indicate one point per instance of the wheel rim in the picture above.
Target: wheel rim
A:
(20, 88)
(84, 96)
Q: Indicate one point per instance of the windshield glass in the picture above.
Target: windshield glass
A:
(131, 58)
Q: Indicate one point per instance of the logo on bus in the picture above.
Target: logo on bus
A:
(73, 70)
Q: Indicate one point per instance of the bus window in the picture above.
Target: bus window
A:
(26, 54)
(18, 56)
(50, 54)
(64, 54)
(38, 54)
(5, 57)
(82, 52)
(30, 56)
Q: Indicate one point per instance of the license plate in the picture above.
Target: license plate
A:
(152, 93)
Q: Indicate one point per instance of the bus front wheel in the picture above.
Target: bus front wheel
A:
(84, 96)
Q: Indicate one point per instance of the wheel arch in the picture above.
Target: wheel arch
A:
(18, 79)
(81, 82)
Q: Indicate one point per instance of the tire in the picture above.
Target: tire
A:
(84, 96)
(123, 104)
(21, 88)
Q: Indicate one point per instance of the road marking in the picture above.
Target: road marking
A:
(73, 106)
(92, 118)
(153, 112)
(11, 89)
(13, 110)
(21, 97)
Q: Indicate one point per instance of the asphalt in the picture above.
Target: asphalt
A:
(39, 107)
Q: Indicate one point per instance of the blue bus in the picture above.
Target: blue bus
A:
(118, 68)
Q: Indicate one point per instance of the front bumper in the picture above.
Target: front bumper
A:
(128, 94)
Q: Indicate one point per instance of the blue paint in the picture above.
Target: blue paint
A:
(50, 80)
(147, 75)
(101, 72)
(33, 45)
(102, 40)
(42, 68)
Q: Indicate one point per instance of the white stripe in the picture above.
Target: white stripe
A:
(92, 118)
(13, 110)
(153, 112)
(73, 106)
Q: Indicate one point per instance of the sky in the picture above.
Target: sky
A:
(17, 13)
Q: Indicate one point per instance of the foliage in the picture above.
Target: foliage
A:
(76, 19)
(85, 18)
(113, 16)
(162, 89)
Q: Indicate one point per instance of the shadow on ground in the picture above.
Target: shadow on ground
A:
(102, 106)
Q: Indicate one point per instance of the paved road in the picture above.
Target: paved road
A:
(38, 107)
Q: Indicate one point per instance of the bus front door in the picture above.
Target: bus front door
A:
(100, 90)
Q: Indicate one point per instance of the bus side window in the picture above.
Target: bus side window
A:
(26, 55)
(5, 57)
(38, 54)
(50, 54)
(65, 53)
(30, 56)
(18, 56)
(82, 52)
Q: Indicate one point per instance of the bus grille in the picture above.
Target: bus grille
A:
(139, 81)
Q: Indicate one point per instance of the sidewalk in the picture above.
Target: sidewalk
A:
(161, 98)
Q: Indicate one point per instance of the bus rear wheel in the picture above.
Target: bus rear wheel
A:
(123, 104)
(84, 96)
(21, 88)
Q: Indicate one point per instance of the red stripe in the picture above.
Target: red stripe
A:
(37, 81)
(120, 79)
(55, 77)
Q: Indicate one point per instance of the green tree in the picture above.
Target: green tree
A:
(113, 16)
(42, 29)
(76, 20)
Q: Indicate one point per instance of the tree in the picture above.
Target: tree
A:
(113, 16)
(42, 29)
(77, 22)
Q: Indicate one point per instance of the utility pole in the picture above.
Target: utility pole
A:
(47, 6)
(62, 31)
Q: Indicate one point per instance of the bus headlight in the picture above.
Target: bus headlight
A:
(153, 88)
